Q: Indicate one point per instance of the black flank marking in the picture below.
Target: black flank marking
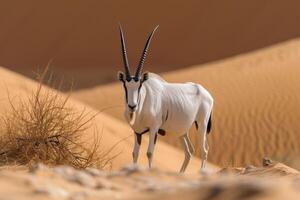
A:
(138, 138)
(161, 132)
(145, 131)
(196, 124)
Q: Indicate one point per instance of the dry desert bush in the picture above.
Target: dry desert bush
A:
(43, 128)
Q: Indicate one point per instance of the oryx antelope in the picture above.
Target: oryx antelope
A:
(158, 107)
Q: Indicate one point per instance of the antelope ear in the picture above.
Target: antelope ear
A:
(121, 76)
(145, 76)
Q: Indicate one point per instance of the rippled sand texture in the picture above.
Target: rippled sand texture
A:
(257, 104)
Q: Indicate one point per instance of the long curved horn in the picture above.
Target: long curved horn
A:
(140, 66)
(124, 53)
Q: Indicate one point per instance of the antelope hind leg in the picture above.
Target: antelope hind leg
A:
(187, 153)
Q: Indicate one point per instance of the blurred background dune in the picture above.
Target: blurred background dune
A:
(81, 37)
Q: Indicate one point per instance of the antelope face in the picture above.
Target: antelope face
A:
(132, 87)
(133, 83)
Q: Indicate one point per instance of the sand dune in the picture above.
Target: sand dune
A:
(64, 182)
(113, 130)
(83, 39)
(257, 108)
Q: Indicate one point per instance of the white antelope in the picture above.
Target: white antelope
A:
(158, 107)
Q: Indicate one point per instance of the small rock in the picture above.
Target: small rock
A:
(64, 171)
(37, 167)
(116, 173)
(78, 196)
(53, 191)
(83, 179)
(231, 170)
(126, 170)
(152, 186)
(76, 176)
(250, 168)
(189, 184)
(267, 162)
(95, 172)
(105, 184)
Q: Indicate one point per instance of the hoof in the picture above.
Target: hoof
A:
(149, 155)
(205, 171)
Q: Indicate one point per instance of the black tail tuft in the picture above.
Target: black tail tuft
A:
(209, 125)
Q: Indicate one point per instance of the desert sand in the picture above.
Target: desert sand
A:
(275, 181)
(256, 111)
(111, 130)
(82, 37)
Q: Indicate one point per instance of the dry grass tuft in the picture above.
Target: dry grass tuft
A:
(42, 128)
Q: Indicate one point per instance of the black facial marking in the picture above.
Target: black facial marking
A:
(128, 79)
(138, 138)
(121, 76)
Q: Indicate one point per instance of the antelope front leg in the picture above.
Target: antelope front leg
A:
(136, 148)
(152, 141)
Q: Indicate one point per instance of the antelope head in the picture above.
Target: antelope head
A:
(133, 83)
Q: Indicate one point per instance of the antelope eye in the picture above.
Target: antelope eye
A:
(136, 79)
